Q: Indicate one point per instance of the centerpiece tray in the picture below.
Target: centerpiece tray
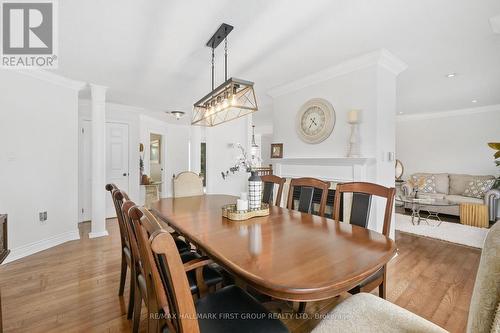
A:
(230, 212)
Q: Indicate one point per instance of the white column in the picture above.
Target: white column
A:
(98, 225)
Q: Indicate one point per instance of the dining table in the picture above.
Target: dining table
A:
(287, 255)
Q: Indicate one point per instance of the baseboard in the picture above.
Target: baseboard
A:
(44, 244)
(98, 234)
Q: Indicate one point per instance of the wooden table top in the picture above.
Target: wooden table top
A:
(288, 255)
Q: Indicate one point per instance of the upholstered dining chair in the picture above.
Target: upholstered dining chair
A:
(187, 184)
(362, 194)
(307, 188)
(270, 182)
(175, 307)
(369, 313)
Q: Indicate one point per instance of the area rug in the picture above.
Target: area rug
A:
(447, 231)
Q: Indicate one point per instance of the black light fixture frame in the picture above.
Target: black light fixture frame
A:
(247, 102)
(214, 41)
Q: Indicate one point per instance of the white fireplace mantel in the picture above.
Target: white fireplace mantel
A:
(324, 160)
(332, 169)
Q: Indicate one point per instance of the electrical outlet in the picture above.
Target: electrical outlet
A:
(42, 216)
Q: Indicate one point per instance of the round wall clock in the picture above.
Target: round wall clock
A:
(315, 120)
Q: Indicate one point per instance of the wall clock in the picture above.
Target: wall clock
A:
(315, 120)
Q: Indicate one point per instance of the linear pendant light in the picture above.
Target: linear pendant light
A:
(232, 99)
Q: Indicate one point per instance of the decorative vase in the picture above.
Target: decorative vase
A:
(254, 191)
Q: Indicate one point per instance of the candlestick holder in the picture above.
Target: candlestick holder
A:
(353, 149)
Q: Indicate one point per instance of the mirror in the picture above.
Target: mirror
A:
(399, 169)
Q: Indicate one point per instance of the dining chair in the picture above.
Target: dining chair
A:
(126, 255)
(362, 194)
(187, 184)
(177, 312)
(307, 188)
(122, 201)
(200, 281)
(269, 184)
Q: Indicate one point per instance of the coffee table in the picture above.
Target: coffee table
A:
(427, 205)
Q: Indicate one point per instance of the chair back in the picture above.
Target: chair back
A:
(484, 311)
(307, 188)
(167, 281)
(269, 183)
(117, 203)
(131, 234)
(362, 194)
(187, 184)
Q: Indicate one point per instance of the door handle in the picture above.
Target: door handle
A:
(124, 174)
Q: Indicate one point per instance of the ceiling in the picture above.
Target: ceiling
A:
(152, 53)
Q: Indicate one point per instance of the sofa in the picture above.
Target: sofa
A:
(451, 187)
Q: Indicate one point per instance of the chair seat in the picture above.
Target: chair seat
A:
(368, 313)
(210, 275)
(247, 314)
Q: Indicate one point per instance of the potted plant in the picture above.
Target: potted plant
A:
(496, 146)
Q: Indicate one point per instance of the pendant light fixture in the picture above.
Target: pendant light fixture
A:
(254, 145)
(232, 99)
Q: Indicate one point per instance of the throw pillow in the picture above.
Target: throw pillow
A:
(478, 188)
(425, 184)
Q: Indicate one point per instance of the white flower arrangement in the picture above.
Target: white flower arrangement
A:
(243, 162)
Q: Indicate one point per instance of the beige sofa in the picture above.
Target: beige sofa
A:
(451, 187)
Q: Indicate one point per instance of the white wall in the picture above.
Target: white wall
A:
(354, 90)
(38, 161)
(220, 156)
(451, 142)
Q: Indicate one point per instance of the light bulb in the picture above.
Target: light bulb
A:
(218, 107)
(225, 103)
(234, 100)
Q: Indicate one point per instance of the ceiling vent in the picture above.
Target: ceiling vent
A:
(495, 24)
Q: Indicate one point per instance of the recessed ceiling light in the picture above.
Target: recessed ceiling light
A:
(400, 112)
(474, 101)
(450, 75)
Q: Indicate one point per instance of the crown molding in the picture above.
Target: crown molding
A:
(382, 58)
(53, 78)
(446, 114)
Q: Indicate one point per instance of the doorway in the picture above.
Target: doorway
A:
(156, 160)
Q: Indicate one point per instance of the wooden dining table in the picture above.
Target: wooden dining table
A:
(287, 255)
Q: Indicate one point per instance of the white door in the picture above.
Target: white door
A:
(117, 168)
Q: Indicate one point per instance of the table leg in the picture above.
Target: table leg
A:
(434, 215)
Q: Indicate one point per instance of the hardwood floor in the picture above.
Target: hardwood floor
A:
(74, 287)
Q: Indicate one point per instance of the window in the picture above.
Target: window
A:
(203, 166)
